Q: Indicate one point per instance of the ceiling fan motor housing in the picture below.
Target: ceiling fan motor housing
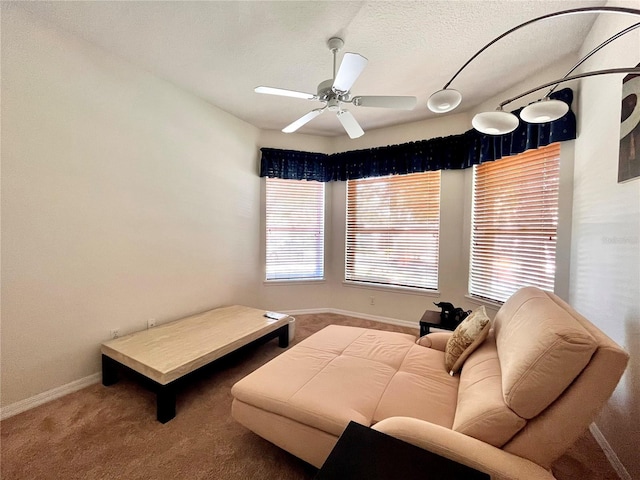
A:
(326, 93)
(324, 90)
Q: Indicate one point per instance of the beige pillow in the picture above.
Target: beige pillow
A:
(465, 339)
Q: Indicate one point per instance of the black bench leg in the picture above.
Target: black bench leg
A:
(283, 337)
(166, 402)
(109, 371)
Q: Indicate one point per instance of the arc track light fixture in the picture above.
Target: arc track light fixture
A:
(547, 110)
(544, 110)
(501, 122)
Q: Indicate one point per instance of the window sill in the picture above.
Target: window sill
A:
(302, 281)
(391, 288)
(484, 301)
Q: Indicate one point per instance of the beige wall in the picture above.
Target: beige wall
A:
(605, 250)
(294, 295)
(123, 199)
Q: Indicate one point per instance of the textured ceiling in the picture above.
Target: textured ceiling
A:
(220, 51)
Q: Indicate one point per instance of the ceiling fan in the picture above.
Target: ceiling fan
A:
(336, 91)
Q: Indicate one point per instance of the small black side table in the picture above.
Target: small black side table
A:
(364, 453)
(432, 319)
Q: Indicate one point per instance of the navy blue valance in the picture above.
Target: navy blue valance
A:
(441, 153)
(295, 165)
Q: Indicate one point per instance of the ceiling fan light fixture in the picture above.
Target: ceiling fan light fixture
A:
(495, 123)
(544, 111)
(350, 69)
(333, 104)
(444, 101)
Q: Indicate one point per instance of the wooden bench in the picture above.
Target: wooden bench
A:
(168, 352)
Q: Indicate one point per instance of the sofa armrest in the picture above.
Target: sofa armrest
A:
(436, 340)
(463, 449)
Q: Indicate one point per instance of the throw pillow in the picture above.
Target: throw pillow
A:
(465, 339)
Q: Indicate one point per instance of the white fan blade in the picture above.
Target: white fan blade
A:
(350, 124)
(284, 93)
(349, 71)
(402, 103)
(302, 120)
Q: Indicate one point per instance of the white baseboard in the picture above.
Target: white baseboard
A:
(609, 452)
(49, 395)
(365, 316)
(45, 397)
(306, 311)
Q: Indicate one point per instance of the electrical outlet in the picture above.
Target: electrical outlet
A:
(372, 300)
(151, 323)
(115, 333)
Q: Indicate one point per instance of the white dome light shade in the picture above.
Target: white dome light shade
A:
(495, 123)
(444, 101)
(544, 111)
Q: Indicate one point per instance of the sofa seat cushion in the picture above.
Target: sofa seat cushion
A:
(336, 375)
(542, 348)
(481, 412)
(420, 389)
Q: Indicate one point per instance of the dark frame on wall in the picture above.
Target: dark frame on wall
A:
(629, 157)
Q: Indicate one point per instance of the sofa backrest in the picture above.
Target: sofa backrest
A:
(542, 349)
(538, 381)
(557, 370)
(481, 411)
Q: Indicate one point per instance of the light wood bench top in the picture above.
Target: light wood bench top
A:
(167, 352)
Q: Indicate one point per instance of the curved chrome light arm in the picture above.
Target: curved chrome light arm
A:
(598, 48)
(501, 122)
(635, 70)
(629, 11)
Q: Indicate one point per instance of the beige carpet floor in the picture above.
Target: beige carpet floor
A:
(111, 433)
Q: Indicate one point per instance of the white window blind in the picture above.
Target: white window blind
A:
(393, 228)
(295, 229)
(515, 220)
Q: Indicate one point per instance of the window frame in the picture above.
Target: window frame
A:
(320, 214)
(352, 278)
(544, 161)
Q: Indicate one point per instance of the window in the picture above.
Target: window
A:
(514, 224)
(295, 229)
(393, 228)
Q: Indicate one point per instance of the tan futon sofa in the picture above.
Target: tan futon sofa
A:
(522, 398)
